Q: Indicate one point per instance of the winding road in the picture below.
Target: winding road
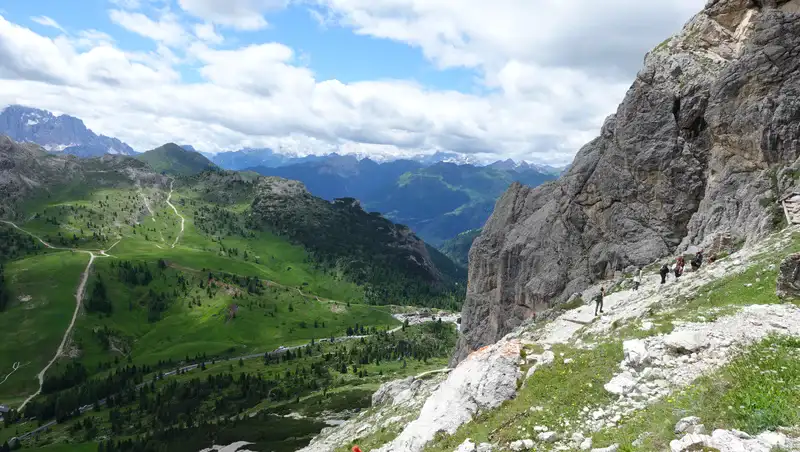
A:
(183, 220)
(78, 300)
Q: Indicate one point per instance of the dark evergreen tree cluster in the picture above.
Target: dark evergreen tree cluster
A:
(15, 244)
(73, 375)
(5, 294)
(370, 250)
(98, 301)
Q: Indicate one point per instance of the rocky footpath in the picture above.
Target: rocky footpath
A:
(410, 414)
(703, 145)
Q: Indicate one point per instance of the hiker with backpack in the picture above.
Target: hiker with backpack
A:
(637, 280)
(679, 267)
(664, 272)
(598, 301)
(697, 261)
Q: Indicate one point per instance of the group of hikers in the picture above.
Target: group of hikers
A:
(696, 263)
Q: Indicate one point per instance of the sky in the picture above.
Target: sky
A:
(529, 80)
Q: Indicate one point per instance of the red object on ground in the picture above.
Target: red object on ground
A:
(356, 449)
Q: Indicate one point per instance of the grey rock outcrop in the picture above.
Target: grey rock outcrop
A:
(697, 149)
(788, 284)
(482, 382)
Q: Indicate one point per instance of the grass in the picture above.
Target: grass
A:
(663, 44)
(300, 302)
(561, 391)
(757, 391)
(43, 289)
(280, 316)
(348, 393)
(51, 280)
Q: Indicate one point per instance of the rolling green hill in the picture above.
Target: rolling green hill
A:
(175, 160)
(173, 271)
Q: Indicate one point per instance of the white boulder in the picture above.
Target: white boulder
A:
(686, 342)
(487, 378)
(521, 445)
(635, 352)
(466, 446)
(611, 448)
(547, 437)
(621, 384)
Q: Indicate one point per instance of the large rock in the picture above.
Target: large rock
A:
(685, 342)
(686, 423)
(483, 381)
(728, 441)
(621, 384)
(694, 151)
(789, 277)
(635, 352)
(394, 402)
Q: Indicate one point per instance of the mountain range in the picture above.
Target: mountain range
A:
(68, 134)
(62, 133)
(438, 201)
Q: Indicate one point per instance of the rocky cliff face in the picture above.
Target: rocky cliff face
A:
(57, 133)
(704, 143)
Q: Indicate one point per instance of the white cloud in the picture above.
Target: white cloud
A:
(25, 55)
(543, 103)
(578, 33)
(239, 14)
(87, 39)
(206, 32)
(48, 22)
(166, 29)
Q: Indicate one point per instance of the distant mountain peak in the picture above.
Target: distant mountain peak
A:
(63, 133)
(171, 158)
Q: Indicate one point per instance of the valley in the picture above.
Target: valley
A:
(130, 277)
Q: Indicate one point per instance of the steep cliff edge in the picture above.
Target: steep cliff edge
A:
(704, 143)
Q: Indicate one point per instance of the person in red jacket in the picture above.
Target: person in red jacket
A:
(356, 449)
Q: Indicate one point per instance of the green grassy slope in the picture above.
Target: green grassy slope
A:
(173, 159)
(249, 397)
(42, 302)
(214, 285)
(458, 247)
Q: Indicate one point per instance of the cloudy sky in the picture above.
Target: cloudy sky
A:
(526, 79)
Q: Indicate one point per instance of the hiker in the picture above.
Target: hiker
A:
(598, 301)
(679, 267)
(664, 272)
(356, 448)
(637, 280)
(697, 261)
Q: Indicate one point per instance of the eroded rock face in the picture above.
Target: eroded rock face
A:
(483, 381)
(694, 151)
(789, 277)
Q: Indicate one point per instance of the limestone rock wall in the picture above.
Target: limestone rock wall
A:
(698, 148)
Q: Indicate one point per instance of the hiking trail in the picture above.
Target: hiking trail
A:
(183, 220)
(78, 300)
